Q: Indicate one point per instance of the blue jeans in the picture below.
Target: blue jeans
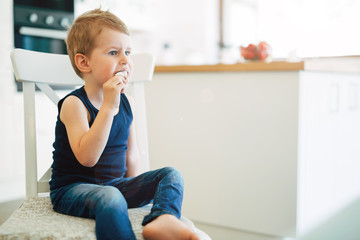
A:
(108, 203)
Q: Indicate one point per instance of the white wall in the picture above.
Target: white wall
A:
(189, 27)
(10, 125)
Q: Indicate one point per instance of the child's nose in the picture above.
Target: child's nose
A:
(124, 59)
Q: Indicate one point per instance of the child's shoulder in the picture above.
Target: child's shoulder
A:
(72, 96)
(72, 105)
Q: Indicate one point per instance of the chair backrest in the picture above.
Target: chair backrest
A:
(44, 69)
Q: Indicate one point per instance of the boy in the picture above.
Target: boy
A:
(96, 167)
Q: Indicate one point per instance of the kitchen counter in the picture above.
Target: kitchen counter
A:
(281, 136)
(329, 64)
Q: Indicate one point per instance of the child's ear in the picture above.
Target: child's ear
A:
(82, 63)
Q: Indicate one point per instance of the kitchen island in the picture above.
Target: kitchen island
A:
(268, 148)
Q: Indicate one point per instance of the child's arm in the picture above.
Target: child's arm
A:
(89, 143)
(133, 161)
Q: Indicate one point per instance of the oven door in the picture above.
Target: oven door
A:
(41, 39)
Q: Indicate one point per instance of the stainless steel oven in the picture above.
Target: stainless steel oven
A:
(42, 25)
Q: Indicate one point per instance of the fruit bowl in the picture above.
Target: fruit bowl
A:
(259, 52)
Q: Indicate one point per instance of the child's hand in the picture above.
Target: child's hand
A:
(112, 89)
(125, 75)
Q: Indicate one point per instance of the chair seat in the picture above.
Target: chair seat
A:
(35, 219)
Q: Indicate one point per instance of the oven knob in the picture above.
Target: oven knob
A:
(49, 20)
(65, 22)
(33, 17)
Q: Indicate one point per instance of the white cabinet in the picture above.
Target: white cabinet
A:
(329, 137)
(266, 152)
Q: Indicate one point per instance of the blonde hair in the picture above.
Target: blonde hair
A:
(81, 36)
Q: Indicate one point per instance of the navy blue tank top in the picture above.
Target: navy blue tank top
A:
(66, 169)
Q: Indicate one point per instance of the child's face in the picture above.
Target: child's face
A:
(110, 55)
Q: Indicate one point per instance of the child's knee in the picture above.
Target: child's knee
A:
(174, 175)
(113, 199)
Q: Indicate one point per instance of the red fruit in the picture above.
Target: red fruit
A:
(264, 50)
(251, 55)
(244, 52)
(252, 52)
(251, 47)
(262, 55)
(263, 45)
(248, 52)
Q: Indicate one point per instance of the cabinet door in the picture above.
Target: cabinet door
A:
(329, 150)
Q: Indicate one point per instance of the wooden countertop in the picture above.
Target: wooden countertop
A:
(349, 64)
(346, 64)
(246, 66)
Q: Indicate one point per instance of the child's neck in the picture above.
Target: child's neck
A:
(95, 95)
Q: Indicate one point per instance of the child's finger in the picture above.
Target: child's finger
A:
(116, 80)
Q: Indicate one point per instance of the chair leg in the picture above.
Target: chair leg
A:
(30, 139)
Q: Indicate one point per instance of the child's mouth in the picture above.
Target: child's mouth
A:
(121, 73)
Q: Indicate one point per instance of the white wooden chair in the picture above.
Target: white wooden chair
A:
(35, 218)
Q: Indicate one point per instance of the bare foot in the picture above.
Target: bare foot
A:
(168, 227)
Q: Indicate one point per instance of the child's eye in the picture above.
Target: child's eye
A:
(127, 53)
(113, 53)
